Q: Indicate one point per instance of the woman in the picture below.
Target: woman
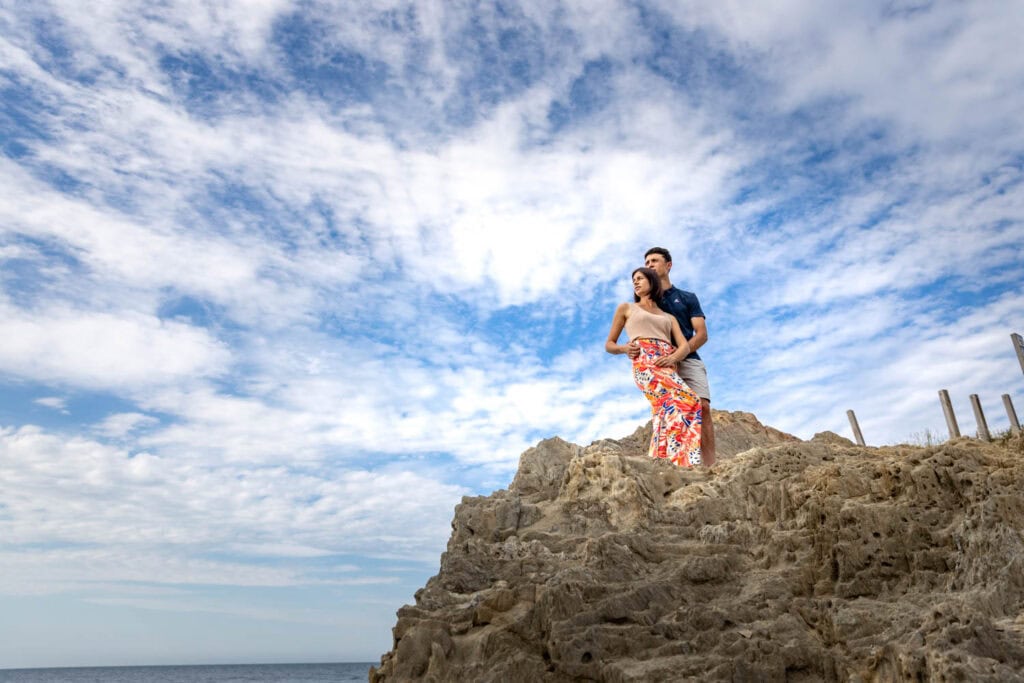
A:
(674, 407)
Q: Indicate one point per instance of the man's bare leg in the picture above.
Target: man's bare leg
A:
(707, 434)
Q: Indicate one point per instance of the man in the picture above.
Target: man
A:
(686, 309)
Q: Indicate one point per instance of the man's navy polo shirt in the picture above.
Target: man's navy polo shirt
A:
(683, 305)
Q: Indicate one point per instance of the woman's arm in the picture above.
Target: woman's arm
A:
(618, 322)
(682, 347)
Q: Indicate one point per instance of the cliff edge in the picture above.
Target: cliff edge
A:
(790, 561)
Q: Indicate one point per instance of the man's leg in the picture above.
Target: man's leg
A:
(693, 372)
(707, 434)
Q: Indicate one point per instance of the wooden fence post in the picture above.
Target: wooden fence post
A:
(1012, 414)
(979, 417)
(856, 428)
(947, 409)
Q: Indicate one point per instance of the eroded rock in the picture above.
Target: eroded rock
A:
(790, 561)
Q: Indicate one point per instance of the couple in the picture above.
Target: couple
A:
(666, 326)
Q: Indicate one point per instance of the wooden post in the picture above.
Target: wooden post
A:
(1018, 346)
(947, 410)
(1012, 414)
(856, 428)
(979, 417)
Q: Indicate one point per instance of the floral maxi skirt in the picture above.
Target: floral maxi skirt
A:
(675, 409)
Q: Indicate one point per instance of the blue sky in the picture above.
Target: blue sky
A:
(280, 282)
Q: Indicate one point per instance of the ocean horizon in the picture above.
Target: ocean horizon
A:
(194, 673)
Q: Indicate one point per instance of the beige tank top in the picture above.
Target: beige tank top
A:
(641, 323)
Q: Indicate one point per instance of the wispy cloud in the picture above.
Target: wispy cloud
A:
(54, 402)
(120, 425)
(175, 501)
(104, 350)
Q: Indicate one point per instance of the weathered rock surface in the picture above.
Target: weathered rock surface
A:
(737, 431)
(798, 561)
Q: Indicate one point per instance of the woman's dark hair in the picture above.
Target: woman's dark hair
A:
(653, 278)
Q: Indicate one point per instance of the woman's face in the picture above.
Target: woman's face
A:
(641, 285)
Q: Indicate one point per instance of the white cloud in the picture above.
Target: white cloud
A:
(56, 402)
(941, 71)
(285, 550)
(486, 204)
(120, 425)
(11, 252)
(886, 362)
(112, 517)
(103, 350)
(488, 209)
(29, 572)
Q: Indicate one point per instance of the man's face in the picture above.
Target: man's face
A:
(658, 264)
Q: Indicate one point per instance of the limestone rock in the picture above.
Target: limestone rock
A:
(792, 561)
(832, 438)
(737, 431)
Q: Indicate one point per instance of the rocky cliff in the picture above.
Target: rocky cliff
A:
(791, 561)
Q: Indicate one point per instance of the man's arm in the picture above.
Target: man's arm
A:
(700, 333)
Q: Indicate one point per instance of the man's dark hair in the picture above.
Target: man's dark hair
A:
(653, 278)
(659, 250)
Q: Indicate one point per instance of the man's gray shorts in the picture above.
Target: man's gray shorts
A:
(695, 375)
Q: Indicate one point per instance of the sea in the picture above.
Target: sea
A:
(224, 673)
